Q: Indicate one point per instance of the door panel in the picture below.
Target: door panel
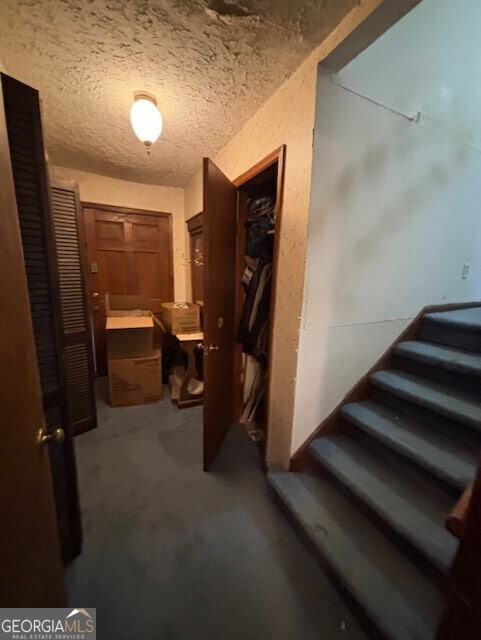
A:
(219, 228)
(146, 267)
(113, 271)
(31, 568)
(129, 252)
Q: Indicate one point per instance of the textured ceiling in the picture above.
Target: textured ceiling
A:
(210, 64)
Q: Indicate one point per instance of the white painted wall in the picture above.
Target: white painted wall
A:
(395, 206)
(123, 193)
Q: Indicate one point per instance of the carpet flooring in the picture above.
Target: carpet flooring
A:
(173, 553)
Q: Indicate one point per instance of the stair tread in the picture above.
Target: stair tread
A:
(415, 509)
(469, 317)
(426, 446)
(448, 402)
(448, 357)
(402, 602)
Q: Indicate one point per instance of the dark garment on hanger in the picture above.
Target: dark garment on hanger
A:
(260, 220)
(254, 326)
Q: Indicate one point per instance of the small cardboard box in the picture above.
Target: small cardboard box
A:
(129, 336)
(119, 306)
(135, 380)
(180, 320)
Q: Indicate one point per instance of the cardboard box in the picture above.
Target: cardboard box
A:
(126, 305)
(129, 336)
(180, 320)
(135, 380)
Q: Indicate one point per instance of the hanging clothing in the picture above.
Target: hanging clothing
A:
(254, 325)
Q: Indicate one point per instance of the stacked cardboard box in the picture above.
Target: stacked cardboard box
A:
(134, 366)
(180, 317)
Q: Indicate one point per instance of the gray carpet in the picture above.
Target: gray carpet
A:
(173, 553)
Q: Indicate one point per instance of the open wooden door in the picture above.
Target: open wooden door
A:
(219, 228)
(30, 565)
(24, 150)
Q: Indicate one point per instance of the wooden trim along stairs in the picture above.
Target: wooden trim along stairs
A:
(372, 488)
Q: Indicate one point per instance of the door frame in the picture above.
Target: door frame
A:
(277, 156)
(84, 254)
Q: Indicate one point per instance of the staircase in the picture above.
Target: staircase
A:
(371, 504)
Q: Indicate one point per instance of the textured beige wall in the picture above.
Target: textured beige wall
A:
(286, 118)
(122, 193)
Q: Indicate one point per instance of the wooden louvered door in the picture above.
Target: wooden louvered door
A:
(30, 561)
(77, 336)
(27, 157)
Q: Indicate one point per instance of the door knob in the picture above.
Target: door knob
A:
(58, 435)
(95, 295)
(211, 347)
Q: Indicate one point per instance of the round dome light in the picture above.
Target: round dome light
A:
(146, 118)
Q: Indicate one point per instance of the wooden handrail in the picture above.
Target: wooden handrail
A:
(461, 619)
(456, 520)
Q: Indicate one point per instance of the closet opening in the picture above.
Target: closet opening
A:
(259, 223)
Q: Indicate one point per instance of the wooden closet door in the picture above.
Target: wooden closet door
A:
(221, 210)
(27, 156)
(31, 567)
(129, 251)
(76, 332)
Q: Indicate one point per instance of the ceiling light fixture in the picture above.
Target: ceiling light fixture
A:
(146, 118)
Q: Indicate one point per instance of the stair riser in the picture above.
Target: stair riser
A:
(452, 336)
(397, 537)
(438, 373)
(466, 437)
(404, 460)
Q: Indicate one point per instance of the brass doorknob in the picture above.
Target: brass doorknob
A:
(57, 435)
(95, 295)
(206, 349)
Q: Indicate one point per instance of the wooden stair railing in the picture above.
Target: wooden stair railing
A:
(456, 520)
(462, 612)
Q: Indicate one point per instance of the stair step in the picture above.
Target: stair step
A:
(454, 405)
(401, 602)
(412, 508)
(426, 447)
(459, 328)
(455, 360)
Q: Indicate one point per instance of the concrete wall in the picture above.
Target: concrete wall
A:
(286, 118)
(395, 205)
(122, 193)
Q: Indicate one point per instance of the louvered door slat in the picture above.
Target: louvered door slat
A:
(75, 320)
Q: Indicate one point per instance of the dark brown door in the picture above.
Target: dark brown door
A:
(219, 229)
(76, 332)
(30, 565)
(128, 252)
(32, 193)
